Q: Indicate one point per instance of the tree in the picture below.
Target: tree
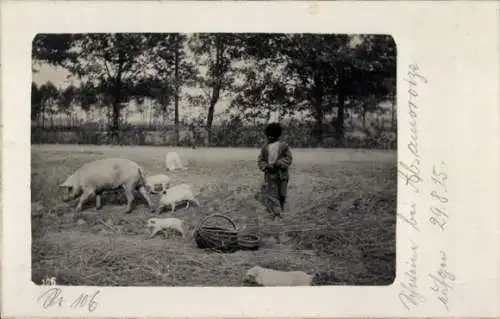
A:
(67, 97)
(111, 65)
(177, 58)
(54, 49)
(43, 99)
(261, 91)
(321, 73)
(172, 70)
(214, 53)
(374, 73)
(35, 101)
(311, 67)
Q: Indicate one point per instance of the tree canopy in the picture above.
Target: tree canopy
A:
(319, 75)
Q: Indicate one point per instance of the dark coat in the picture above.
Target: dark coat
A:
(282, 163)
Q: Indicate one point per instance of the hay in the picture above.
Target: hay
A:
(339, 226)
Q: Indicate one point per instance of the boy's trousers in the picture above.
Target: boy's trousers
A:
(276, 191)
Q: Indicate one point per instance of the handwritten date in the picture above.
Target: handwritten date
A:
(53, 297)
(439, 215)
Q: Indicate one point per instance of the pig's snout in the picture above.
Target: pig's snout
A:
(69, 195)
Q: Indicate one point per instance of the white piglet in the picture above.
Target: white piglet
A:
(176, 194)
(93, 178)
(173, 161)
(157, 225)
(157, 180)
(270, 277)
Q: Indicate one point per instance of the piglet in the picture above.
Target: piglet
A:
(153, 181)
(156, 225)
(173, 161)
(93, 178)
(270, 277)
(176, 194)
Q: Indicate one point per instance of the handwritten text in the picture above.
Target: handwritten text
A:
(54, 298)
(442, 281)
(411, 172)
(439, 212)
(409, 293)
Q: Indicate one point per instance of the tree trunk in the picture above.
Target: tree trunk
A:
(193, 135)
(42, 113)
(164, 126)
(340, 118)
(177, 83)
(210, 119)
(216, 88)
(318, 105)
(342, 86)
(116, 108)
(115, 122)
(393, 121)
(364, 119)
(318, 130)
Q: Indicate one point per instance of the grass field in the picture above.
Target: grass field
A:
(339, 224)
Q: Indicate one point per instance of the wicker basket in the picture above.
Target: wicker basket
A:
(215, 237)
(248, 241)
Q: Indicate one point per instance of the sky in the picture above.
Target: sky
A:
(56, 75)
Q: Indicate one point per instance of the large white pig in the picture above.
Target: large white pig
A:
(93, 178)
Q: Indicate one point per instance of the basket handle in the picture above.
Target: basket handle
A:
(220, 216)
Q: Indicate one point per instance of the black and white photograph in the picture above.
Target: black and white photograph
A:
(240, 159)
(213, 159)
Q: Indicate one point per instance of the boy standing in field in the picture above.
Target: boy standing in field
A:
(274, 160)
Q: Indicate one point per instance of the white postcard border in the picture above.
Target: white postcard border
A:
(454, 45)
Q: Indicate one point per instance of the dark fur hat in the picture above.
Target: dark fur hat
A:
(273, 130)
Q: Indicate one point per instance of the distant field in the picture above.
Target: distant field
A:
(339, 224)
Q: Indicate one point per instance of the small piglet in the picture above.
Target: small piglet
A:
(160, 179)
(270, 277)
(176, 194)
(156, 225)
(93, 178)
(173, 161)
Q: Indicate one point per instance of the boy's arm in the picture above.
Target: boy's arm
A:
(261, 160)
(286, 159)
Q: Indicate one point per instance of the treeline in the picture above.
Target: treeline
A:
(326, 78)
(225, 134)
